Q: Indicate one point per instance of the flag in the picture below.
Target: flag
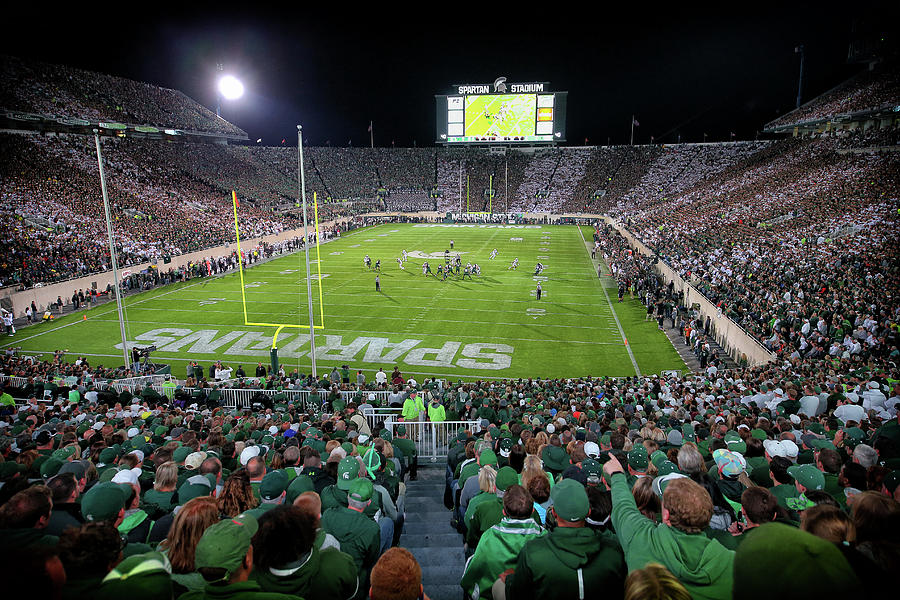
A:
(635, 122)
(370, 127)
(259, 141)
(282, 141)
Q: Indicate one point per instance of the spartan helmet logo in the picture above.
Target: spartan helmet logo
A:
(500, 85)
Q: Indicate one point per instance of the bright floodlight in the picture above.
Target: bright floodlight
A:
(231, 88)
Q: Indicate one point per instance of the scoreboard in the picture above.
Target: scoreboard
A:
(501, 113)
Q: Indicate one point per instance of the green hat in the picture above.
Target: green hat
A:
(225, 544)
(687, 433)
(161, 430)
(570, 500)
(506, 477)
(104, 501)
(10, 468)
(804, 565)
(348, 447)
(196, 487)
(667, 467)
(108, 455)
(50, 467)
(853, 436)
(593, 470)
(605, 439)
(372, 461)
(822, 444)
(660, 482)
(808, 475)
(273, 485)
(138, 577)
(386, 435)
(555, 459)
(487, 457)
(300, 484)
(891, 481)
(181, 454)
(401, 429)
(759, 434)
(348, 471)
(361, 489)
(658, 457)
(64, 453)
(637, 458)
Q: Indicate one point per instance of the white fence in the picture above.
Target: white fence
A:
(433, 437)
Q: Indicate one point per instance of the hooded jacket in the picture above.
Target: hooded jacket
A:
(326, 574)
(704, 566)
(568, 563)
(497, 551)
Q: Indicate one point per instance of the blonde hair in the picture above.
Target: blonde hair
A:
(166, 477)
(654, 582)
(487, 479)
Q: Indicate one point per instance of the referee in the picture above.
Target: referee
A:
(538, 291)
(377, 284)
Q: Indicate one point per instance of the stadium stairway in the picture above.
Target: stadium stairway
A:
(428, 535)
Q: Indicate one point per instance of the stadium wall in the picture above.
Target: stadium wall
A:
(739, 344)
(46, 295)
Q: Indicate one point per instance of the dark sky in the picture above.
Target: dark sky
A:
(688, 71)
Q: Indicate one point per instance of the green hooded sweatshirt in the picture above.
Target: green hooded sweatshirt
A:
(568, 563)
(704, 566)
(326, 574)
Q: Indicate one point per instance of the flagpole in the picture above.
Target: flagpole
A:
(632, 130)
(371, 135)
(312, 337)
(112, 251)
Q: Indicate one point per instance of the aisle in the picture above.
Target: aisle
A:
(429, 536)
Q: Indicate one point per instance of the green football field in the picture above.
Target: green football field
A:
(489, 326)
(483, 112)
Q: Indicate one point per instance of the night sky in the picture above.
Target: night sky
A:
(685, 72)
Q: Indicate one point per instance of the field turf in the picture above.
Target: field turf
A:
(489, 326)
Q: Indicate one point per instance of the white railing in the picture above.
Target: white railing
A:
(433, 437)
(374, 416)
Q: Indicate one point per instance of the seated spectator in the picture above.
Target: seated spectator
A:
(194, 517)
(654, 582)
(397, 576)
(287, 559)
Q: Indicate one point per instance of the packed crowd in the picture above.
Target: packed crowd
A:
(872, 89)
(35, 87)
(696, 483)
(797, 244)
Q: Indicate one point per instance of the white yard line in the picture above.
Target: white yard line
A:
(612, 309)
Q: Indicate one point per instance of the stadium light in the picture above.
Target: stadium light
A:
(230, 87)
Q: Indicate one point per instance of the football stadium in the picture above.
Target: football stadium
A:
(243, 361)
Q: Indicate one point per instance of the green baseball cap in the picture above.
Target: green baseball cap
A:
(50, 467)
(138, 577)
(64, 453)
(506, 477)
(180, 454)
(808, 475)
(108, 456)
(487, 457)
(348, 471)
(300, 484)
(104, 501)
(273, 485)
(361, 489)
(401, 429)
(225, 544)
(570, 500)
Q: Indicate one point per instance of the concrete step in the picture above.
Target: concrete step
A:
(445, 538)
(444, 592)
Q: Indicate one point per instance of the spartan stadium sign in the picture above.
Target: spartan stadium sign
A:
(501, 87)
